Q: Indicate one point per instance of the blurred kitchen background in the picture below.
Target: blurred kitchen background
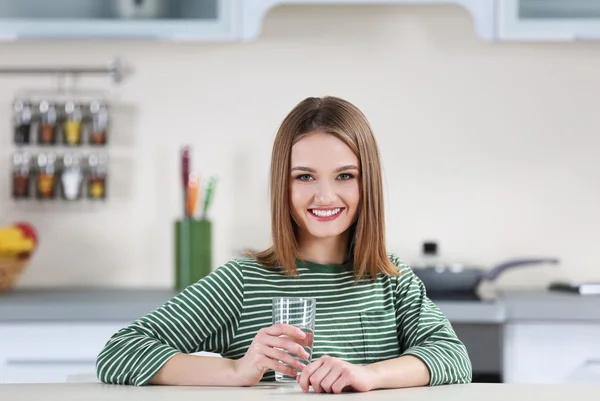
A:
(485, 112)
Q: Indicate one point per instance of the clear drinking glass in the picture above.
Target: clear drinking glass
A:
(298, 312)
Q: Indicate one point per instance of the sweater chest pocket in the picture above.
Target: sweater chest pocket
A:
(380, 338)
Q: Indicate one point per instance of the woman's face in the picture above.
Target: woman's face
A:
(324, 185)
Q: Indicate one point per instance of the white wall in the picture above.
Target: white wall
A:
(489, 148)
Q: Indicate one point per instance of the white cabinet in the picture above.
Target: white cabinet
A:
(242, 20)
(49, 353)
(548, 20)
(179, 20)
(253, 12)
(551, 352)
(493, 20)
(205, 20)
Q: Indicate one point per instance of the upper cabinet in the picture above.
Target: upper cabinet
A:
(177, 20)
(482, 11)
(202, 20)
(548, 20)
(242, 20)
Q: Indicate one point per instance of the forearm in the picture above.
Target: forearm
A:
(193, 370)
(404, 371)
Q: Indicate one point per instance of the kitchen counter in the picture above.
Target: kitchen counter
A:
(550, 306)
(68, 305)
(465, 392)
(98, 305)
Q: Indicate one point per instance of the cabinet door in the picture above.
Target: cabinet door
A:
(206, 20)
(548, 20)
(253, 12)
(50, 353)
(47, 353)
(552, 352)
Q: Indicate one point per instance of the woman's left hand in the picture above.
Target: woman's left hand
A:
(333, 375)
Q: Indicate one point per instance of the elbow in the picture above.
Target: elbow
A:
(460, 366)
(448, 363)
(466, 373)
(100, 368)
(105, 364)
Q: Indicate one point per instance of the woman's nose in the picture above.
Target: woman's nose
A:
(325, 193)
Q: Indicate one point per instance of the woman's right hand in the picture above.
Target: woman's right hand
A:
(267, 349)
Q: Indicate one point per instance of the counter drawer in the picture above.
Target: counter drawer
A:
(551, 352)
(50, 353)
(46, 353)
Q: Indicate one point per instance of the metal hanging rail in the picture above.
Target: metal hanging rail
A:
(116, 70)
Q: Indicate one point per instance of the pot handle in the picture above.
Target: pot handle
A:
(495, 272)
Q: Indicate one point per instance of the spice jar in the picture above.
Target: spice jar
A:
(46, 177)
(21, 175)
(72, 124)
(71, 177)
(99, 124)
(98, 169)
(47, 128)
(22, 121)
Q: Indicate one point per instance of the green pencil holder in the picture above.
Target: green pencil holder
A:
(193, 251)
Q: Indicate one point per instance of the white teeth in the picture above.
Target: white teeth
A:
(326, 213)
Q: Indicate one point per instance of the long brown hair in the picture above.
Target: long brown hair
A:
(346, 122)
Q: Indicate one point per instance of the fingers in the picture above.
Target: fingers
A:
(276, 343)
(304, 380)
(327, 375)
(283, 357)
(285, 330)
(286, 344)
(281, 334)
(308, 340)
(317, 377)
(340, 384)
(331, 377)
(278, 367)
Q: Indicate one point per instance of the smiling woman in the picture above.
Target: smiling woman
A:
(375, 327)
(325, 158)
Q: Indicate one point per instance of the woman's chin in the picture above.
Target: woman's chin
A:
(329, 233)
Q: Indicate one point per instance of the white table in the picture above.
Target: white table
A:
(292, 392)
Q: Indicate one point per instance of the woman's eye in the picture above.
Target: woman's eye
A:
(346, 176)
(304, 177)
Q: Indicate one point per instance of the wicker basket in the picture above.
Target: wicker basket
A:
(10, 271)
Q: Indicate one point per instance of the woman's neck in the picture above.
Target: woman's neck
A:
(326, 251)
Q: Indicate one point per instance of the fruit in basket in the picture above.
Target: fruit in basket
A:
(17, 241)
(28, 231)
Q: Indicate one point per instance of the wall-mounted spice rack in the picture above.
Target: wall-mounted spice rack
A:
(49, 123)
(49, 176)
(61, 138)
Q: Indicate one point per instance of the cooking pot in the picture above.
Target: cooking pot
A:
(441, 279)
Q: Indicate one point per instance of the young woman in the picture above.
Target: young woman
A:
(375, 327)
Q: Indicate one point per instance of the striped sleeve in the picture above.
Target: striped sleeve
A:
(424, 332)
(203, 317)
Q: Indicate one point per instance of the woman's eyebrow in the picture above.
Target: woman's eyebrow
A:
(337, 170)
(300, 168)
(344, 168)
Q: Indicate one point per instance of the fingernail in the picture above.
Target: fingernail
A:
(302, 334)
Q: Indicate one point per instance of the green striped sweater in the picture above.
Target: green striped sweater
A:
(361, 322)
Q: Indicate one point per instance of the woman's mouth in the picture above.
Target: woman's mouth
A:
(327, 214)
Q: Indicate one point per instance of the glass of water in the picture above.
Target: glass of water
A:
(298, 312)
